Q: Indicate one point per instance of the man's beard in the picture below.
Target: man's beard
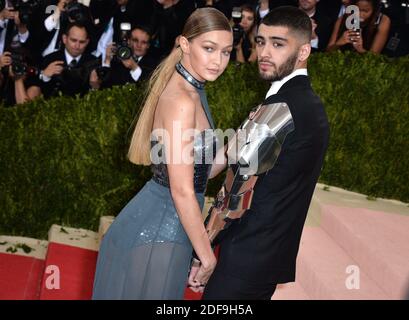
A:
(284, 70)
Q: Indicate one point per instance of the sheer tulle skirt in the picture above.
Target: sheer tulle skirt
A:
(145, 253)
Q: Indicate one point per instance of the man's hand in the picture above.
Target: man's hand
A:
(205, 271)
(16, 17)
(61, 5)
(94, 81)
(6, 13)
(54, 68)
(314, 27)
(130, 64)
(109, 53)
(5, 59)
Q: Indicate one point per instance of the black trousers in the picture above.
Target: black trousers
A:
(225, 287)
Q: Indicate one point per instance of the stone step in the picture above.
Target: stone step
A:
(377, 241)
(290, 291)
(70, 264)
(326, 272)
(21, 267)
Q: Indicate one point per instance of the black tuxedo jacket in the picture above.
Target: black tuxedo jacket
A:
(69, 83)
(324, 28)
(120, 75)
(262, 246)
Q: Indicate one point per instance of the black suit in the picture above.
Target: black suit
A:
(120, 75)
(69, 82)
(260, 250)
(324, 28)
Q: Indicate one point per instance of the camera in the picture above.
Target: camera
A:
(123, 51)
(238, 31)
(19, 64)
(26, 9)
(75, 11)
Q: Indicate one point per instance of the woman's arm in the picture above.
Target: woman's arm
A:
(23, 95)
(333, 40)
(382, 35)
(219, 163)
(180, 116)
(253, 55)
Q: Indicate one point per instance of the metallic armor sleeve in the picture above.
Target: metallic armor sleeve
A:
(254, 150)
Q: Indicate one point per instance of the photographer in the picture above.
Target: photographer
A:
(243, 33)
(67, 70)
(66, 12)
(20, 80)
(11, 27)
(121, 69)
(120, 11)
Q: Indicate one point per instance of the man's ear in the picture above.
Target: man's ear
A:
(184, 44)
(304, 52)
(64, 39)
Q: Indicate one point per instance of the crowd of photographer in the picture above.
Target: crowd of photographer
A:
(48, 47)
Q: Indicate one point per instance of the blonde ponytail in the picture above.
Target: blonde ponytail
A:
(200, 21)
(140, 148)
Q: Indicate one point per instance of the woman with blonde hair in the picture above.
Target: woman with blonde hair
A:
(146, 252)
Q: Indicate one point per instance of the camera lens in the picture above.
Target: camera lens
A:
(124, 53)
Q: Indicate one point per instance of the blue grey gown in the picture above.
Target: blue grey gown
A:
(146, 253)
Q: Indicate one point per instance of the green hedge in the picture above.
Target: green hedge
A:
(64, 160)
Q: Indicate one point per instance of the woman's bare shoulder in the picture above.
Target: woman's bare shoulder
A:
(176, 104)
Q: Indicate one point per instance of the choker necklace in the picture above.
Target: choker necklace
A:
(189, 78)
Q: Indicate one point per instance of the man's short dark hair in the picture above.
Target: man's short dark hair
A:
(296, 20)
(144, 28)
(78, 25)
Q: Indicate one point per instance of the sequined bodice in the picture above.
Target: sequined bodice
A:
(204, 152)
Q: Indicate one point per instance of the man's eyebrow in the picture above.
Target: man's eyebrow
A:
(279, 38)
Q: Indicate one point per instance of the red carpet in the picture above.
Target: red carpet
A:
(20, 277)
(76, 269)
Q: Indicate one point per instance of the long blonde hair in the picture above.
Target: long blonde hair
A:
(200, 21)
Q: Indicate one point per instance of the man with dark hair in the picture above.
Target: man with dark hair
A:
(259, 250)
(66, 69)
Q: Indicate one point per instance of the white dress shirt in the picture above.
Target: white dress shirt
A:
(21, 37)
(276, 85)
(52, 23)
(104, 40)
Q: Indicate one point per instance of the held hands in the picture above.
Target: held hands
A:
(200, 274)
